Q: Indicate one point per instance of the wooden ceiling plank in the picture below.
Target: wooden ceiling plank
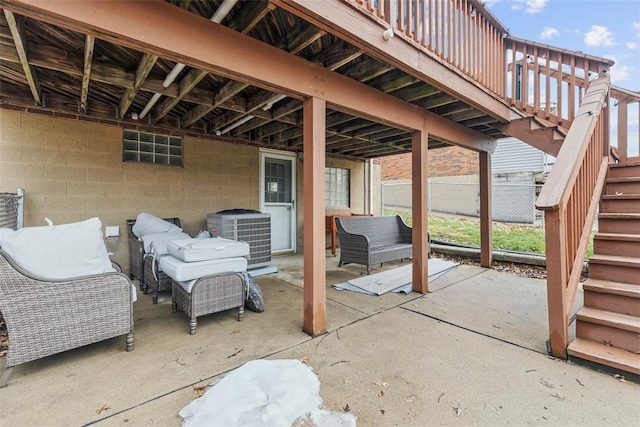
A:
(245, 23)
(357, 28)
(226, 92)
(227, 53)
(142, 72)
(20, 42)
(303, 39)
(86, 75)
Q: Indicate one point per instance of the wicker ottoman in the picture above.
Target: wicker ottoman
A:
(209, 295)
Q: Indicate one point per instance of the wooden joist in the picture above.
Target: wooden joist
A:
(20, 42)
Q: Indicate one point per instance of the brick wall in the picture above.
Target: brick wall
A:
(448, 161)
(71, 169)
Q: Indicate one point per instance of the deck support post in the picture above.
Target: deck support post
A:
(315, 301)
(486, 245)
(555, 231)
(419, 176)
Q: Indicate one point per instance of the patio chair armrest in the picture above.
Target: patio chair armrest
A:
(45, 316)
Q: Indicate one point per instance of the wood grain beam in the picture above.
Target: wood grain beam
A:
(86, 75)
(142, 72)
(20, 42)
(304, 37)
(355, 27)
(315, 300)
(243, 23)
(226, 92)
(229, 54)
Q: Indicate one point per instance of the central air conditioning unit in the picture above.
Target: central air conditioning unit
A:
(248, 226)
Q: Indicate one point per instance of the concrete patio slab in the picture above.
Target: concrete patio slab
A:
(165, 358)
(402, 368)
(410, 363)
(496, 304)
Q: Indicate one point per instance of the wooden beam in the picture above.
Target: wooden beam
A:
(227, 53)
(226, 92)
(142, 71)
(546, 139)
(315, 301)
(419, 177)
(350, 24)
(486, 245)
(20, 42)
(242, 22)
(86, 76)
(302, 40)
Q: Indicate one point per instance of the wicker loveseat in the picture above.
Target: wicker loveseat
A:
(141, 267)
(373, 240)
(46, 317)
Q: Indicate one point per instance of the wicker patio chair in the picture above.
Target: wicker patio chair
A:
(209, 295)
(140, 267)
(46, 317)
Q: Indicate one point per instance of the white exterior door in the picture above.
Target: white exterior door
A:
(277, 192)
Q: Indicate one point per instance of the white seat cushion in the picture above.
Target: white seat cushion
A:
(185, 271)
(193, 250)
(158, 241)
(149, 224)
(59, 252)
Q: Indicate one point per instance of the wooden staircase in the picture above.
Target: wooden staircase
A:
(608, 326)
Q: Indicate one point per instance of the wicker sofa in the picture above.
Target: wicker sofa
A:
(46, 317)
(373, 240)
(141, 267)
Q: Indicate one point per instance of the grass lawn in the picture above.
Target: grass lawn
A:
(466, 231)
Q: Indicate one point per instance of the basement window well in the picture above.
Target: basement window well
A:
(146, 147)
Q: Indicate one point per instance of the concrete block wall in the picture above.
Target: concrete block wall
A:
(72, 170)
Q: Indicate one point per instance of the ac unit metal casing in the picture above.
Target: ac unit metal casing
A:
(253, 228)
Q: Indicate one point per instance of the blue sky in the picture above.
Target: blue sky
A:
(605, 28)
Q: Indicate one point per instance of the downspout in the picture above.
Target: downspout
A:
(217, 17)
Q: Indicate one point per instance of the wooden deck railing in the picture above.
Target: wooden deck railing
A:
(461, 33)
(548, 81)
(628, 140)
(570, 199)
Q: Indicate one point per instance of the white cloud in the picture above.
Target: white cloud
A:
(548, 32)
(636, 26)
(620, 73)
(599, 36)
(535, 6)
(531, 6)
(631, 45)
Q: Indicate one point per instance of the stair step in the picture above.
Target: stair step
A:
(621, 203)
(623, 185)
(622, 170)
(605, 355)
(621, 261)
(608, 318)
(620, 244)
(623, 298)
(621, 268)
(628, 223)
(606, 327)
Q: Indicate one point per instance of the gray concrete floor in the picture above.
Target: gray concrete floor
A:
(475, 343)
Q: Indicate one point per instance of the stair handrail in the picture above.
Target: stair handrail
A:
(570, 199)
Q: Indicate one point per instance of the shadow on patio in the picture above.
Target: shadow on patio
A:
(472, 351)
